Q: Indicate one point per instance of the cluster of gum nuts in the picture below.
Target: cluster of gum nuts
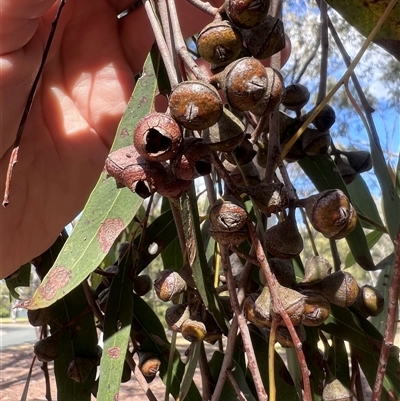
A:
(171, 149)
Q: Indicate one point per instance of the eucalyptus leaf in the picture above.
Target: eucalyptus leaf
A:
(108, 211)
(372, 238)
(117, 325)
(21, 278)
(363, 15)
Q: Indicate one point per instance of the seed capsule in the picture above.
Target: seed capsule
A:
(370, 301)
(325, 118)
(176, 315)
(46, 350)
(296, 97)
(315, 142)
(273, 95)
(149, 365)
(317, 308)
(244, 83)
(331, 213)
(228, 215)
(195, 105)
(266, 39)
(194, 329)
(219, 43)
(157, 137)
(246, 13)
(283, 271)
(142, 284)
(80, 368)
(169, 284)
(284, 338)
(316, 268)
(284, 239)
(335, 391)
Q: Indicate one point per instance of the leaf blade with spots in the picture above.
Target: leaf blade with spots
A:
(108, 211)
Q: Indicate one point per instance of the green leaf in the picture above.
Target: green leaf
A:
(190, 368)
(117, 328)
(161, 231)
(323, 173)
(22, 278)
(397, 183)
(228, 392)
(364, 14)
(366, 341)
(372, 238)
(383, 285)
(108, 211)
(365, 204)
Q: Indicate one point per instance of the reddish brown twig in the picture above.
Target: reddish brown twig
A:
(391, 321)
(29, 102)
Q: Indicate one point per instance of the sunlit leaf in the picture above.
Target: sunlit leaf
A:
(383, 285)
(108, 211)
(363, 15)
(117, 329)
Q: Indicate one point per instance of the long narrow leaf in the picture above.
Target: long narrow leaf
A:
(107, 212)
(117, 325)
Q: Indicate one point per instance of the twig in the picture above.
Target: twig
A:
(271, 280)
(345, 77)
(205, 374)
(308, 61)
(161, 43)
(271, 359)
(244, 329)
(180, 45)
(278, 309)
(388, 338)
(227, 361)
(335, 255)
(205, 7)
(239, 393)
(323, 75)
(29, 102)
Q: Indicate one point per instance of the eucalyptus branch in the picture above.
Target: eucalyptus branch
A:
(244, 329)
(271, 359)
(335, 255)
(310, 234)
(278, 308)
(227, 361)
(308, 61)
(323, 75)
(205, 373)
(180, 45)
(340, 82)
(28, 105)
(236, 387)
(391, 322)
(206, 7)
(166, 27)
(161, 43)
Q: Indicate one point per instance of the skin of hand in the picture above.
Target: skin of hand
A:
(83, 92)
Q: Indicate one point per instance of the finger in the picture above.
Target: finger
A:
(19, 22)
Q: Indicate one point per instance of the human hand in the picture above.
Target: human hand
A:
(84, 89)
